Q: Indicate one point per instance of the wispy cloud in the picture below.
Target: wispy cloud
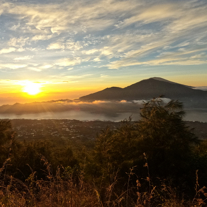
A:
(68, 62)
(23, 58)
(94, 36)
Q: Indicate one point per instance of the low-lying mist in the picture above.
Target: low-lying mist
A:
(97, 110)
(107, 107)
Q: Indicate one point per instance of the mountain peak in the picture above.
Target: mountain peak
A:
(167, 81)
(162, 79)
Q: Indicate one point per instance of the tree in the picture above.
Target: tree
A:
(161, 134)
(5, 131)
(6, 139)
(166, 139)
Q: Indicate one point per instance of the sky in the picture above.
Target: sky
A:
(72, 48)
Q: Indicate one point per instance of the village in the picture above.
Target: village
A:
(30, 130)
(33, 129)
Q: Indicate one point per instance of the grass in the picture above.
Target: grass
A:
(63, 190)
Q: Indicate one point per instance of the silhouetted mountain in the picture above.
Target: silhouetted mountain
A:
(153, 87)
(112, 93)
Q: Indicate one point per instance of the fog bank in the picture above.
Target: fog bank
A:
(98, 110)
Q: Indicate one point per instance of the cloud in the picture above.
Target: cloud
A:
(204, 88)
(62, 16)
(55, 46)
(42, 37)
(46, 66)
(23, 58)
(12, 66)
(161, 61)
(89, 52)
(68, 62)
(154, 13)
(97, 59)
(7, 50)
(65, 45)
(17, 42)
(181, 51)
(39, 67)
(110, 108)
(72, 45)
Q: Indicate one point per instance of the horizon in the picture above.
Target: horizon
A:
(66, 50)
(36, 98)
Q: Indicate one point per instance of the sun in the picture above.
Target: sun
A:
(32, 88)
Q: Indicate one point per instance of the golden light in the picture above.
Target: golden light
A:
(32, 88)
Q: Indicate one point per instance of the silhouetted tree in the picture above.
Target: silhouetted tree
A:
(166, 139)
(161, 134)
(6, 140)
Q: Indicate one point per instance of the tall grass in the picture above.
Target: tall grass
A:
(63, 190)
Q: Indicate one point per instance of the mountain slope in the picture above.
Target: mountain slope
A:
(149, 88)
(113, 93)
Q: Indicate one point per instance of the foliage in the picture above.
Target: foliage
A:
(165, 138)
(5, 132)
(7, 141)
(152, 162)
(161, 134)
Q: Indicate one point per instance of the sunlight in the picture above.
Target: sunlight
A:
(32, 88)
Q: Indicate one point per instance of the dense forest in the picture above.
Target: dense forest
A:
(156, 161)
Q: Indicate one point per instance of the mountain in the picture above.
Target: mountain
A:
(112, 93)
(152, 87)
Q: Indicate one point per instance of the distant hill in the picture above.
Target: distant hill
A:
(153, 87)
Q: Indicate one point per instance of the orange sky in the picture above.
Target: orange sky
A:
(49, 91)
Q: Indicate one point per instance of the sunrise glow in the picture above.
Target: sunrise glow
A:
(32, 88)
